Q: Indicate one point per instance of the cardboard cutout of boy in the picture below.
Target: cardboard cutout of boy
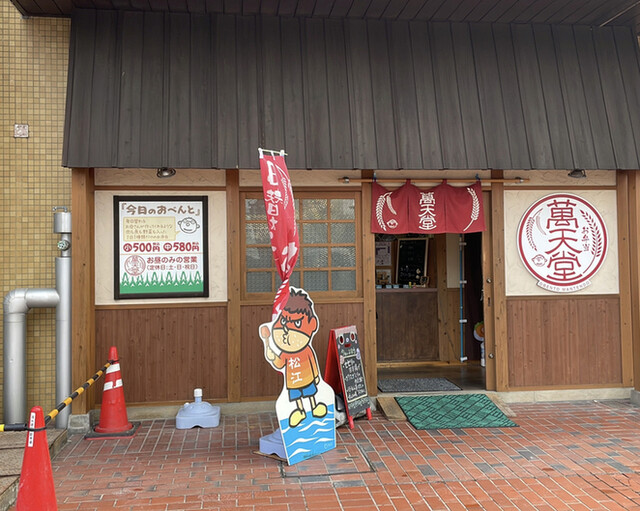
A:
(305, 407)
(292, 333)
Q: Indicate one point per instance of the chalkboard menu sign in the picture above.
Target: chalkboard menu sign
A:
(344, 352)
(412, 260)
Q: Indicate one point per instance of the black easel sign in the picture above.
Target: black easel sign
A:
(345, 373)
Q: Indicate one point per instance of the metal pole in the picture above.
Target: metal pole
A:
(16, 305)
(62, 225)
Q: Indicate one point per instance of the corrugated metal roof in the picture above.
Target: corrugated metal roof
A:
(197, 91)
(580, 12)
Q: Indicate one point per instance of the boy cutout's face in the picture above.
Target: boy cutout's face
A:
(293, 331)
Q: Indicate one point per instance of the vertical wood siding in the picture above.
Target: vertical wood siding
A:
(166, 353)
(150, 89)
(553, 342)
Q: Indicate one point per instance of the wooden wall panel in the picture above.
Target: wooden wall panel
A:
(564, 342)
(415, 309)
(360, 95)
(507, 74)
(533, 107)
(404, 96)
(152, 111)
(577, 114)
(200, 97)
(427, 109)
(383, 107)
(104, 118)
(615, 98)
(259, 379)
(166, 352)
(83, 287)
(599, 124)
(553, 97)
(472, 127)
(317, 129)
(293, 91)
(248, 85)
(190, 90)
(130, 86)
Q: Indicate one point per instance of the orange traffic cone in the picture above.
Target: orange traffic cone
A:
(113, 413)
(36, 489)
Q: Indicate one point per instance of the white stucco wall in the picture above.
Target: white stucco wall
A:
(104, 253)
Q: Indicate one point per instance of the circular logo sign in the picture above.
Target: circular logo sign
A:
(562, 241)
(134, 265)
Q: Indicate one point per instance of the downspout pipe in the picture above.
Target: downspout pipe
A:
(17, 304)
(62, 226)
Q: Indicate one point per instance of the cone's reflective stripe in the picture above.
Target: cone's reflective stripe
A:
(32, 424)
(113, 368)
(108, 385)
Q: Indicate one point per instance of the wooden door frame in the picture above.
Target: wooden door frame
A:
(487, 294)
(496, 349)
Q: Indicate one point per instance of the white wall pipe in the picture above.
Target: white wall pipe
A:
(16, 305)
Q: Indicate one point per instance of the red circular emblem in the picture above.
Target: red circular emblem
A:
(562, 241)
(134, 265)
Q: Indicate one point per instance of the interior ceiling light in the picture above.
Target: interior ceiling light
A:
(165, 172)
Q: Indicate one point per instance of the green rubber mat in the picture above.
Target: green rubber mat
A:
(453, 412)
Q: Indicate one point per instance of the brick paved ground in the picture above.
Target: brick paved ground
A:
(578, 455)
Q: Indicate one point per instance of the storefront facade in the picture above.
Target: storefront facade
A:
(394, 99)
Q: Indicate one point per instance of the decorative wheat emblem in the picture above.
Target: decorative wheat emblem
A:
(596, 235)
(385, 198)
(475, 210)
(529, 229)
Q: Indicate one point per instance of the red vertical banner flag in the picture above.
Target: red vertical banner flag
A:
(281, 220)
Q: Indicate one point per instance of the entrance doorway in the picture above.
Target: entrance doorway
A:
(418, 326)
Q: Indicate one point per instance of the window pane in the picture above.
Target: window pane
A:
(314, 209)
(259, 257)
(315, 257)
(343, 233)
(316, 281)
(315, 233)
(342, 257)
(343, 280)
(257, 234)
(343, 209)
(254, 209)
(259, 282)
(294, 280)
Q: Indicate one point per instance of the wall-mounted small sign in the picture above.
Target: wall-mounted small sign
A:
(20, 131)
(161, 246)
(562, 241)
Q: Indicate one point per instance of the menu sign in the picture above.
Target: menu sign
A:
(412, 260)
(345, 373)
(160, 246)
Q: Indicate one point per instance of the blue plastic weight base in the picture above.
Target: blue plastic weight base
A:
(200, 413)
(272, 444)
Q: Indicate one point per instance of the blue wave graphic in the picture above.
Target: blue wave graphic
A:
(311, 436)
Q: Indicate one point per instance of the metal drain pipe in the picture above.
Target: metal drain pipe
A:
(17, 304)
(62, 226)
